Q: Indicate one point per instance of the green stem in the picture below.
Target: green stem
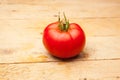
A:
(64, 24)
(64, 17)
(59, 17)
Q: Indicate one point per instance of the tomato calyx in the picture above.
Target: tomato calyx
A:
(63, 24)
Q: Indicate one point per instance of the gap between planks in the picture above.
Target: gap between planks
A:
(56, 17)
(63, 60)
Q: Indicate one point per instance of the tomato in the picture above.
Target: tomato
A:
(63, 39)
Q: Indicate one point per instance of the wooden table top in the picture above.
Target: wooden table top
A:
(23, 56)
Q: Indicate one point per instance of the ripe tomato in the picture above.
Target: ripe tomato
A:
(64, 39)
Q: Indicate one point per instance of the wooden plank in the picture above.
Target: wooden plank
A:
(20, 9)
(39, 2)
(96, 48)
(71, 70)
(21, 40)
(23, 56)
(32, 27)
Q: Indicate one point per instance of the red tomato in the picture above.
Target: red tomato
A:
(64, 40)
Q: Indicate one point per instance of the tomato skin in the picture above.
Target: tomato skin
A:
(64, 44)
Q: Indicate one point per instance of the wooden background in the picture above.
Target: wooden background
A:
(23, 56)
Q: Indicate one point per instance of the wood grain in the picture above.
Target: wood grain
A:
(23, 56)
(35, 51)
(20, 9)
(21, 40)
(72, 70)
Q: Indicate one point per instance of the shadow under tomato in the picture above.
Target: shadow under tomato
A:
(82, 56)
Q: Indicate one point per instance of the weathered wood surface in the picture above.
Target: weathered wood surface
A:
(23, 56)
(71, 70)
